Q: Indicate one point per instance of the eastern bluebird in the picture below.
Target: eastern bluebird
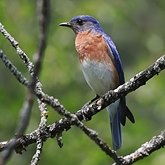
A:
(102, 68)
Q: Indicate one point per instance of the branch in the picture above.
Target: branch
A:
(36, 156)
(93, 135)
(43, 12)
(13, 69)
(134, 83)
(43, 17)
(25, 111)
(19, 51)
(145, 150)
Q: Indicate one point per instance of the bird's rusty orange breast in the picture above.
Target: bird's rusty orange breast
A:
(92, 46)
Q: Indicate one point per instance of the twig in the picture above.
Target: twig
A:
(43, 17)
(36, 156)
(43, 14)
(43, 10)
(15, 44)
(13, 69)
(25, 113)
(9, 147)
(93, 135)
(44, 115)
(145, 150)
(2, 145)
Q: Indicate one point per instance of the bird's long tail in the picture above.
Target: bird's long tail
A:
(115, 125)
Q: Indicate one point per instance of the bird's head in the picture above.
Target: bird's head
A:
(82, 23)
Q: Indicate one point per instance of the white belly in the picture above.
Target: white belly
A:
(98, 76)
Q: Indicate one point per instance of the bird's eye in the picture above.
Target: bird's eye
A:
(80, 21)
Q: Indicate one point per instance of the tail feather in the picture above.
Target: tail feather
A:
(125, 112)
(116, 132)
(118, 111)
(115, 125)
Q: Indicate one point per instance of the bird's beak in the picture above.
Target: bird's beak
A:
(67, 24)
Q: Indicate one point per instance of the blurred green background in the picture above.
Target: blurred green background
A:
(138, 29)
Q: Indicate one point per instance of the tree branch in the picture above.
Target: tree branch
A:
(145, 150)
(134, 83)
(43, 17)
(19, 51)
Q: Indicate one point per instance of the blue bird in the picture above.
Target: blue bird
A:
(102, 68)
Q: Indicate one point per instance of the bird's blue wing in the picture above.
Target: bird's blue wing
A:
(124, 111)
(116, 57)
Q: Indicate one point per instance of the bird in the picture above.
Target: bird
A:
(102, 68)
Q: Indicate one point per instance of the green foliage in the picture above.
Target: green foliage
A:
(137, 28)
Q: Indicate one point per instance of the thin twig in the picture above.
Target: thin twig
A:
(18, 75)
(93, 135)
(19, 51)
(43, 15)
(43, 12)
(36, 156)
(2, 145)
(145, 150)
